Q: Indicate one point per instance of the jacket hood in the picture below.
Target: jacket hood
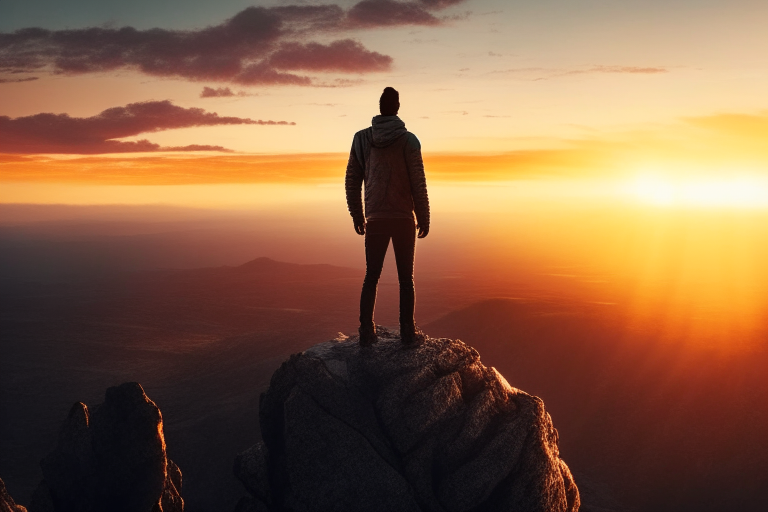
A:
(386, 130)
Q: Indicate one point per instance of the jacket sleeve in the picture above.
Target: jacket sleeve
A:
(353, 184)
(418, 181)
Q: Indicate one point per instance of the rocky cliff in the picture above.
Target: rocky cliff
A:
(6, 502)
(111, 458)
(344, 428)
(389, 427)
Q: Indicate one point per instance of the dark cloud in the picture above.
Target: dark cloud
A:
(377, 13)
(223, 92)
(60, 133)
(439, 4)
(219, 92)
(257, 46)
(346, 56)
(308, 19)
(14, 80)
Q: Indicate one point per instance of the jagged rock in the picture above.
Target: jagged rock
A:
(6, 502)
(425, 428)
(250, 468)
(111, 459)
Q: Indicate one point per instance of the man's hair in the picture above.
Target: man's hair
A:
(389, 103)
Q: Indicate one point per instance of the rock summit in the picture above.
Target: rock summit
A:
(390, 427)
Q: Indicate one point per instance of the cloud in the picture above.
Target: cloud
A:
(220, 92)
(14, 80)
(716, 145)
(257, 46)
(618, 69)
(631, 70)
(339, 82)
(555, 73)
(377, 13)
(346, 56)
(179, 169)
(223, 92)
(61, 133)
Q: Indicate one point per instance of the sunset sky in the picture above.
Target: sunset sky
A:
(102, 94)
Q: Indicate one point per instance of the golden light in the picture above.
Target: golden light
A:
(741, 192)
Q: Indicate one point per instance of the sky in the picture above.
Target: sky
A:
(476, 78)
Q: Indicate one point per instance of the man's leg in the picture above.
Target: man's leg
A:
(376, 243)
(404, 243)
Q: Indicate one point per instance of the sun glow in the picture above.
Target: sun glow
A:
(745, 192)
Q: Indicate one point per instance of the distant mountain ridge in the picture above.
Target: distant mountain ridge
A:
(268, 268)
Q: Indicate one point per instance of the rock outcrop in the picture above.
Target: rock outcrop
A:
(389, 427)
(6, 502)
(111, 459)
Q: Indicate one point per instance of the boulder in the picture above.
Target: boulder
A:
(407, 428)
(112, 458)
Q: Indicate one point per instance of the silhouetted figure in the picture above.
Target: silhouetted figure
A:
(388, 159)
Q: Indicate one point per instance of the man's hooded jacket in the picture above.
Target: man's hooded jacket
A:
(387, 157)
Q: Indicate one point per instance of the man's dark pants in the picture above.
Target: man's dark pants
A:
(377, 235)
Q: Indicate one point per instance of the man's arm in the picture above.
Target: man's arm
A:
(418, 184)
(353, 184)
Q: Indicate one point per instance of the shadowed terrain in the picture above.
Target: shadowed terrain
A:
(649, 418)
(665, 424)
(203, 343)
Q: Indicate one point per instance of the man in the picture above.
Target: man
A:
(388, 159)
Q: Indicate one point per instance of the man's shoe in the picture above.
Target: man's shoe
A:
(412, 336)
(367, 336)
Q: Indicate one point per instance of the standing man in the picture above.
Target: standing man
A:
(388, 159)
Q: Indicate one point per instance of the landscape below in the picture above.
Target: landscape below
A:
(647, 420)
(424, 427)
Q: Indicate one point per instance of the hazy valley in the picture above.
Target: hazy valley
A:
(649, 419)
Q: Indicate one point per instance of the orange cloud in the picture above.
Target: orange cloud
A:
(719, 143)
(173, 169)
(60, 133)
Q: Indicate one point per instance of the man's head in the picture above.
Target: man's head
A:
(389, 103)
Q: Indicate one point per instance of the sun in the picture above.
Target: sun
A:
(741, 192)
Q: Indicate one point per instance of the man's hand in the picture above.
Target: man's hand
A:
(360, 228)
(423, 231)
